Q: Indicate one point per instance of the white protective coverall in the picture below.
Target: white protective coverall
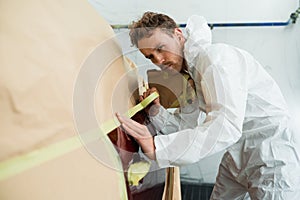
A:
(246, 114)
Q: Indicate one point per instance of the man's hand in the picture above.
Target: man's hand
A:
(153, 108)
(140, 133)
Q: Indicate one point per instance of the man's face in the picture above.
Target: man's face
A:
(164, 50)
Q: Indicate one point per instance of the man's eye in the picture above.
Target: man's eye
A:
(160, 48)
(149, 57)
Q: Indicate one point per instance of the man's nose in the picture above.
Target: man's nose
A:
(158, 59)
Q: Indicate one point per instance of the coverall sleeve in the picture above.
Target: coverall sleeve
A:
(166, 122)
(224, 87)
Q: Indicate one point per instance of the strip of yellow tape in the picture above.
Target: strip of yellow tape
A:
(112, 124)
(18, 164)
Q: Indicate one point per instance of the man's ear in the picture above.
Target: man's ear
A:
(178, 33)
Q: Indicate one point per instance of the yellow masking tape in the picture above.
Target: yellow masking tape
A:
(18, 164)
(21, 163)
(112, 124)
(137, 171)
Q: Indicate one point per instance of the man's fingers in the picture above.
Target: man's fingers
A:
(153, 89)
(133, 128)
(133, 125)
(120, 118)
(141, 98)
(130, 131)
(123, 122)
(128, 121)
(148, 92)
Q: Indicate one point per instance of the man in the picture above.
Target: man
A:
(246, 113)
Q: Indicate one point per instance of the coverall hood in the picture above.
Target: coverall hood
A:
(198, 35)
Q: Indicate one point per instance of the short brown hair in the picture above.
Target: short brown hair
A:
(148, 23)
